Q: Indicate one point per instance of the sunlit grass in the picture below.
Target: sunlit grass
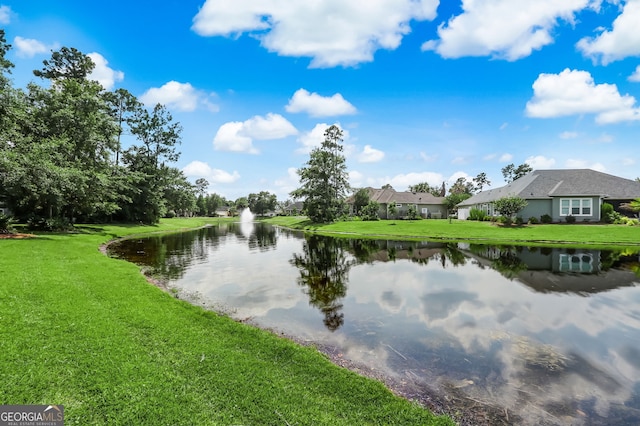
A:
(459, 230)
(87, 331)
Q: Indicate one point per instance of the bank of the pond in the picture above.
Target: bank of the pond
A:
(87, 331)
(579, 234)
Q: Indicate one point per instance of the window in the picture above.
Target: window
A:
(576, 262)
(398, 205)
(425, 210)
(575, 207)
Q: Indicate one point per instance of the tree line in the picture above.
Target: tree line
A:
(62, 158)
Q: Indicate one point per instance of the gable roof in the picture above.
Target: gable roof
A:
(390, 195)
(545, 184)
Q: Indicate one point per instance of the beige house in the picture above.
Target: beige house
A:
(427, 205)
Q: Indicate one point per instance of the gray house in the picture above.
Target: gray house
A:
(558, 193)
(427, 205)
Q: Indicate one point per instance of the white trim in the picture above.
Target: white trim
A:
(581, 262)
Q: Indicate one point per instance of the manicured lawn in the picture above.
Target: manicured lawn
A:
(80, 329)
(459, 230)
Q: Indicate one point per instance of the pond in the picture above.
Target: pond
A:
(545, 336)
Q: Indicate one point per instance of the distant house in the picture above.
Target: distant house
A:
(222, 211)
(427, 205)
(294, 208)
(558, 193)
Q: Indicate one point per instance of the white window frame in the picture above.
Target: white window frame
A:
(425, 210)
(574, 205)
(398, 205)
(579, 262)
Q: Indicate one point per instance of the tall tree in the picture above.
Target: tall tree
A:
(425, 187)
(123, 106)
(511, 172)
(462, 186)
(324, 179)
(481, 181)
(66, 63)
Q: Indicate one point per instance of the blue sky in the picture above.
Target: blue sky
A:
(425, 90)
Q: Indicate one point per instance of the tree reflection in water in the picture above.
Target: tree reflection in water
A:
(324, 270)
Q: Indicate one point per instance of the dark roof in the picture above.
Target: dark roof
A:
(541, 184)
(389, 195)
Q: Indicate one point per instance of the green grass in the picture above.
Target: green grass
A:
(461, 230)
(80, 329)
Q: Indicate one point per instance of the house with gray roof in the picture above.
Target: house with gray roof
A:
(559, 193)
(427, 205)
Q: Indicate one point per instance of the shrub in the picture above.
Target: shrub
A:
(54, 224)
(519, 220)
(370, 211)
(607, 211)
(412, 213)
(533, 220)
(570, 219)
(5, 224)
(170, 214)
(545, 218)
(476, 214)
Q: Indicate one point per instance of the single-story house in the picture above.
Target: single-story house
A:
(427, 205)
(294, 208)
(558, 193)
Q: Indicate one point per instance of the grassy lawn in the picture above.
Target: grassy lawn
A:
(87, 331)
(466, 230)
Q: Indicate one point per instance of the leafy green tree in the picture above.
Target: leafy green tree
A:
(511, 172)
(324, 179)
(360, 200)
(412, 212)
(425, 187)
(179, 193)
(509, 206)
(262, 202)
(241, 204)
(65, 64)
(201, 186)
(370, 211)
(392, 210)
(452, 201)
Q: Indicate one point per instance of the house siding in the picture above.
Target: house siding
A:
(535, 208)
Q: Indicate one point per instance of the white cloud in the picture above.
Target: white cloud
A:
(331, 32)
(5, 15)
(635, 77)
(427, 157)
(370, 155)
(605, 138)
(273, 126)
(238, 136)
(508, 29)
(459, 160)
(540, 162)
(290, 182)
(29, 47)
(199, 169)
(402, 181)
(568, 135)
(319, 106)
(504, 126)
(574, 92)
(315, 137)
(506, 157)
(628, 161)
(102, 73)
(622, 41)
(179, 96)
(584, 164)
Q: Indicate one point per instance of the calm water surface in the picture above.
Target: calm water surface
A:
(550, 335)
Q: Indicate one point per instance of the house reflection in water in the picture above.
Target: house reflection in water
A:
(560, 270)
